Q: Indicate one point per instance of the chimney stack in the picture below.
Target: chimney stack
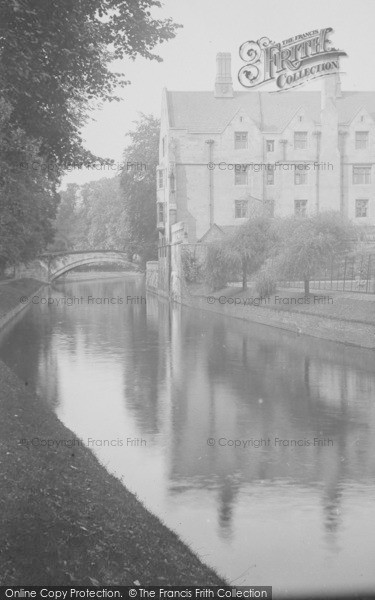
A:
(331, 89)
(223, 82)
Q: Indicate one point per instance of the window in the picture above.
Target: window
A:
(160, 179)
(163, 145)
(361, 208)
(240, 140)
(300, 140)
(240, 209)
(361, 174)
(270, 177)
(300, 207)
(270, 145)
(240, 177)
(361, 140)
(160, 212)
(300, 178)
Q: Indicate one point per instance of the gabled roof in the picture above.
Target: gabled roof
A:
(201, 112)
(217, 231)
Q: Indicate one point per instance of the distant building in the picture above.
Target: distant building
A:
(305, 152)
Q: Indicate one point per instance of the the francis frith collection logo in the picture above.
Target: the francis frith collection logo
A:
(291, 62)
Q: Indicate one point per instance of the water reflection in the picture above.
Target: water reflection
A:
(296, 517)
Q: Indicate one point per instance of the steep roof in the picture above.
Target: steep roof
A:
(202, 112)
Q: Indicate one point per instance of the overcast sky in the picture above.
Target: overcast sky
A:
(212, 26)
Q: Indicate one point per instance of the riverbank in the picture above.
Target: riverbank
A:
(343, 317)
(66, 520)
(15, 295)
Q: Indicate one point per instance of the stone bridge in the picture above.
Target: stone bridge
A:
(50, 266)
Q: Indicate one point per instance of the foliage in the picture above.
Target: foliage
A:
(265, 284)
(221, 264)
(91, 217)
(192, 267)
(28, 200)
(243, 252)
(252, 243)
(116, 213)
(55, 61)
(138, 188)
(309, 244)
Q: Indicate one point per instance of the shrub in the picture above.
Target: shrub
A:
(265, 284)
(221, 265)
(192, 267)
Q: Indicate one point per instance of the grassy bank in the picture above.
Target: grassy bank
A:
(65, 520)
(345, 306)
(344, 317)
(13, 290)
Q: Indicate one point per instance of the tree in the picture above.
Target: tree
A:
(91, 217)
(138, 185)
(28, 200)
(252, 243)
(119, 213)
(309, 244)
(66, 220)
(243, 252)
(55, 61)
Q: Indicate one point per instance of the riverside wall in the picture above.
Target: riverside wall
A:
(354, 333)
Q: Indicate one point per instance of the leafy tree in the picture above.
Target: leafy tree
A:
(243, 252)
(309, 244)
(55, 60)
(55, 63)
(252, 243)
(66, 221)
(138, 185)
(91, 217)
(221, 264)
(28, 200)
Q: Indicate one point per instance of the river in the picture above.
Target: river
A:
(257, 446)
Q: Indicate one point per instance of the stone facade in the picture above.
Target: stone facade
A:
(225, 155)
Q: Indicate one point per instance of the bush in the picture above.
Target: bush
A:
(221, 265)
(265, 284)
(192, 267)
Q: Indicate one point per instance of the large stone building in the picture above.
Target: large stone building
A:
(225, 152)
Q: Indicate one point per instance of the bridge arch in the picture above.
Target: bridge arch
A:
(59, 264)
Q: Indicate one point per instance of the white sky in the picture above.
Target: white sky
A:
(212, 26)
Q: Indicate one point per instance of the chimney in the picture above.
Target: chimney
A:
(331, 89)
(223, 81)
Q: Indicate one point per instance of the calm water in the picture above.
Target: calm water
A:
(298, 518)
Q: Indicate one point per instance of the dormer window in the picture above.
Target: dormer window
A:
(240, 140)
(361, 140)
(300, 140)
